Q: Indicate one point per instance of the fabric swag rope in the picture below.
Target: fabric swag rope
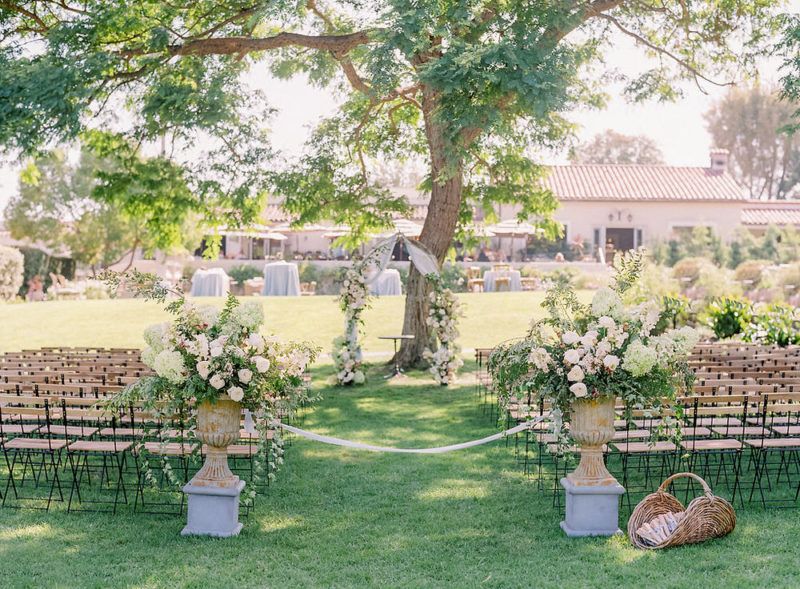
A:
(438, 450)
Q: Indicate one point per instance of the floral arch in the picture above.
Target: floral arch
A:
(354, 298)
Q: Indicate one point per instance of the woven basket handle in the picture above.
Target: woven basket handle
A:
(706, 489)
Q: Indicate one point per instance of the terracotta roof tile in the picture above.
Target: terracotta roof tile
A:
(788, 214)
(641, 183)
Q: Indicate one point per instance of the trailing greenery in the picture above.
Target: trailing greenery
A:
(243, 273)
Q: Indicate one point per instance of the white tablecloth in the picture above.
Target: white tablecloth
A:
(281, 280)
(490, 276)
(210, 283)
(387, 284)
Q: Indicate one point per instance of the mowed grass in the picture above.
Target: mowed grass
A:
(345, 518)
(489, 319)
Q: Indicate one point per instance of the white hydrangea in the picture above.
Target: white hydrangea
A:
(149, 355)
(684, 340)
(157, 336)
(639, 359)
(607, 302)
(169, 364)
(358, 377)
(249, 315)
(208, 314)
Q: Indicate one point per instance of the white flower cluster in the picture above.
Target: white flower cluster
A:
(348, 366)
(443, 314)
(346, 352)
(616, 338)
(224, 352)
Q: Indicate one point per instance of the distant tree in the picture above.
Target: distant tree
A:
(61, 205)
(611, 147)
(752, 123)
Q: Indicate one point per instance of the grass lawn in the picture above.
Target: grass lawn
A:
(489, 319)
(342, 518)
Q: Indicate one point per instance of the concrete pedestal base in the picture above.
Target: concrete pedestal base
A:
(591, 511)
(213, 511)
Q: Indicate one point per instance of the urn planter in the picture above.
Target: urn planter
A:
(213, 493)
(592, 493)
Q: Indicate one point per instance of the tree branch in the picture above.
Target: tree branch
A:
(340, 44)
(682, 62)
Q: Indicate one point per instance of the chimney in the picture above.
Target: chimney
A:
(719, 160)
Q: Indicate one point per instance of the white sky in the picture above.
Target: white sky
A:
(678, 128)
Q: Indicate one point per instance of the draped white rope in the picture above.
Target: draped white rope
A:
(438, 450)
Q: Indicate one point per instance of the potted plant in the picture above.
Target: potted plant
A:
(581, 359)
(216, 362)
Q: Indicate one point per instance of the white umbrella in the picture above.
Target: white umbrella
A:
(514, 228)
(479, 231)
(404, 226)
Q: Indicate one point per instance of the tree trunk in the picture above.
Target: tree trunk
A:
(438, 230)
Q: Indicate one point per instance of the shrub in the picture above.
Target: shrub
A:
(687, 271)
(655, 282)
(751, 272)
(775, 324)
(729, 316)
(12, 264)
(244, 272)
(676, 311)
(788, 279)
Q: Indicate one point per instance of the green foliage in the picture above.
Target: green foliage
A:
(243, 272)
(774, 324)
(675, 312)
(729, 316)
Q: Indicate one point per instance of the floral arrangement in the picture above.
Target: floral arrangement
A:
(205, 354)
(443, 313)
(353, 300)
(603, 349)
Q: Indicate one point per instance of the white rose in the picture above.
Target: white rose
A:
(570, 337)
(217, 381)
(611, 362)
(203, 368)
(245, 375)
(236, 394)
(216, 350)
(262, 364)
(572, 356)
(576, 374)
(590, 339)
(578, 389)
(255, 341)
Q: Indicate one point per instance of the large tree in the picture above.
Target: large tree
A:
(611, 147)
(751, 123)
(468, 84)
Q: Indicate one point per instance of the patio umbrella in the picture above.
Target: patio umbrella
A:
(513, 228)
(404, 226)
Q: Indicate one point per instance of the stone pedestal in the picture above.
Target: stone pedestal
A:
(591, 510)
(213, 511)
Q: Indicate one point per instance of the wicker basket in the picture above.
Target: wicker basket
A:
(706, 517)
